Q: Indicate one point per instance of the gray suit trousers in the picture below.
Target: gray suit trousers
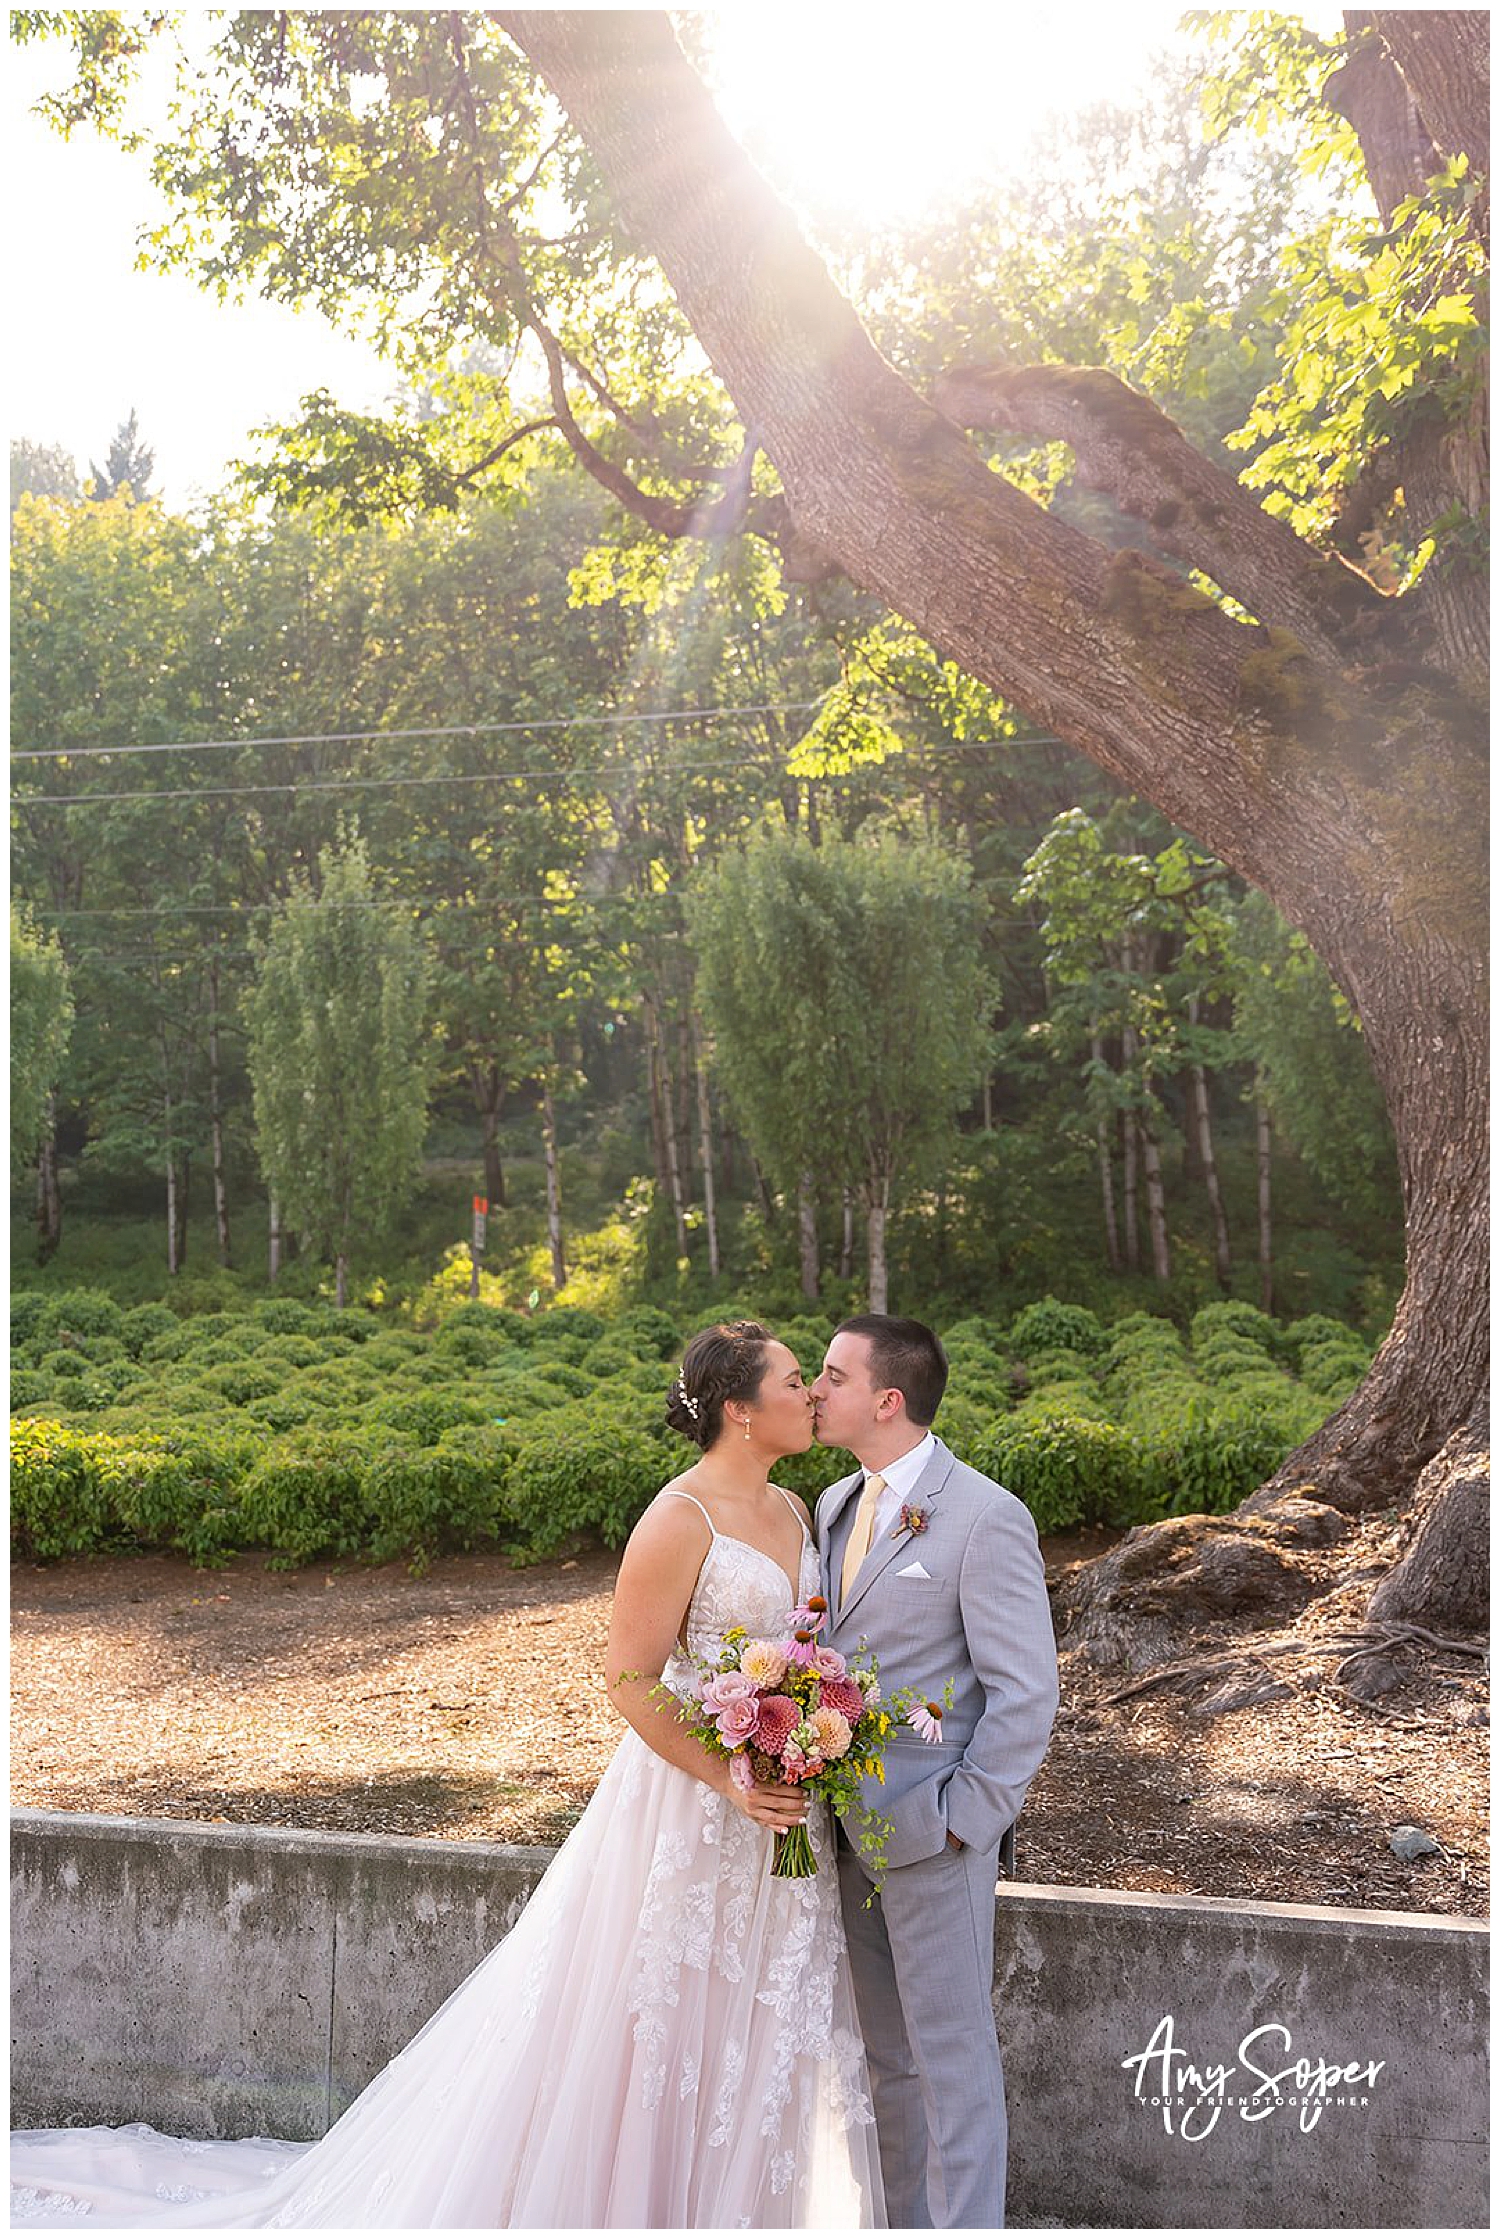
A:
(923, 1959)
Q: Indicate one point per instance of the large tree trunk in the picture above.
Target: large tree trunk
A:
(1442, 1577)
(1309, 749)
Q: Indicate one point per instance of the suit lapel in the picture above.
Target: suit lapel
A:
(925, 1491)
(838, 1501)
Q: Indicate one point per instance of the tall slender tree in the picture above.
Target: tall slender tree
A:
(340, 1057)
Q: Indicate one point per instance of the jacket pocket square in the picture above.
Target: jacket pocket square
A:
(914, 1570)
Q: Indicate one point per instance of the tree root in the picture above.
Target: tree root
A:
(1349, 1647)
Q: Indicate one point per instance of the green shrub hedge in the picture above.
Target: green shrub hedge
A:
(315, 1435)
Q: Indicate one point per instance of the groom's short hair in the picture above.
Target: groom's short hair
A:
(905, 1356)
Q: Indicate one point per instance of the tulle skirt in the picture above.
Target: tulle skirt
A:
(666, 2039)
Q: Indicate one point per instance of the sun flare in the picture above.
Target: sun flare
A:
(873, 115)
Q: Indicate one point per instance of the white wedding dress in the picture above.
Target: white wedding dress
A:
(666, 2039)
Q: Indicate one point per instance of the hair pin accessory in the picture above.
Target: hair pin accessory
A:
(687, 1399)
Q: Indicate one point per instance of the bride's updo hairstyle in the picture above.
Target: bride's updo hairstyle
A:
(722, 1363)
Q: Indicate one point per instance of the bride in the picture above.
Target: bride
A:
(667, 2037)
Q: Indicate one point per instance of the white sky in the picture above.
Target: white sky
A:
(845, 105)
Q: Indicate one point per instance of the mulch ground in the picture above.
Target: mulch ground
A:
(469, 1703)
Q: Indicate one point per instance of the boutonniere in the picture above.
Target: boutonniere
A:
(912, 1520)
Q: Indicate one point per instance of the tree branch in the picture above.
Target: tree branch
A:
(519, 194)
(662, 514)
(646, 431)
(1111, 651)
(507, 443)
(1126, 445)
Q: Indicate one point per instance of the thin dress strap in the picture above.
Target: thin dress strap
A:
(673, 1492)
(793, 1504)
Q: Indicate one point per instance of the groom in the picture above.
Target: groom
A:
(938, 1570)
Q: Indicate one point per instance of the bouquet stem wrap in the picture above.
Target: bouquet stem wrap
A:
(794, 1859)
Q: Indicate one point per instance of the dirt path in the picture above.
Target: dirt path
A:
(468, 1703)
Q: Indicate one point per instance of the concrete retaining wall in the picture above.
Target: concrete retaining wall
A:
(222, 1981)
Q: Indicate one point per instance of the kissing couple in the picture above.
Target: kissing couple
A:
(672, 2036)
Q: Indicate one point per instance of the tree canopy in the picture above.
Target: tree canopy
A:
(1293, 681)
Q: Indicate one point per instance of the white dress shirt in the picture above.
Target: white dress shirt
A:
(900, 1478)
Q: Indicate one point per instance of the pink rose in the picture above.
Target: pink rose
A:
(829, 1664)
(742, 1772)
(737, 1721)
(728, 1687)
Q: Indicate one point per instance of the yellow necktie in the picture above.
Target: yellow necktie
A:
(860, 1533)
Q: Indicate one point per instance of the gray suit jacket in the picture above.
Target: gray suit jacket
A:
(980, 1618)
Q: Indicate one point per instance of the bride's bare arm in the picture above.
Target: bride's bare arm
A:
(658, 1572)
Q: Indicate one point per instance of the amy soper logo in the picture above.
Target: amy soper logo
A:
(1196, 2095)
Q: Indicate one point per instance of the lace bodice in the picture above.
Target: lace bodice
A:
(739, 1585)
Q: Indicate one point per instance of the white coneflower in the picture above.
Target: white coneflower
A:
(927, 1718)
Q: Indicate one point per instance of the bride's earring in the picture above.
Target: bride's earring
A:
(747, 1429)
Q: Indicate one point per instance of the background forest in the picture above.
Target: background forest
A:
(391, 831)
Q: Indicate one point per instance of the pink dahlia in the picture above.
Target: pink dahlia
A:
(778, 1715)
(832, 1730)
(842, 1695)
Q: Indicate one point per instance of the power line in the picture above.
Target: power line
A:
(433, 731)
(481, 777)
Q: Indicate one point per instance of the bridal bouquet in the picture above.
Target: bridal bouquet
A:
(787, 1710)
